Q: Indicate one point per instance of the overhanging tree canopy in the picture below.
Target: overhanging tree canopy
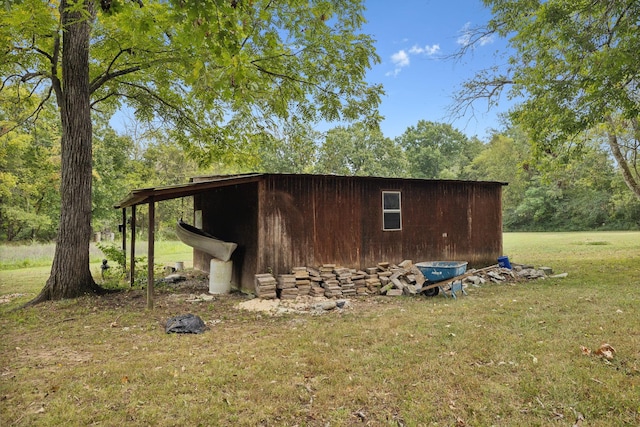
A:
(575, 65)
(216, 72)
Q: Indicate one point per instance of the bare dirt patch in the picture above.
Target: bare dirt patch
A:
(4, 299)
(186, 295)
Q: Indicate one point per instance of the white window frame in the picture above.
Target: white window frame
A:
(394, 210)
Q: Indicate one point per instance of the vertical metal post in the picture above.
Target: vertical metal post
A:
(124, 237)
(132, 272)
(150, 252)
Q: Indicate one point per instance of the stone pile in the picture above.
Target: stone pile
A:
(359, 282)
(303, 281)
(329, 281)
(332, 281)
(316, 282)
(265, 286)
(402, 279)
(497, 274)
(286, 287)
(347, 287)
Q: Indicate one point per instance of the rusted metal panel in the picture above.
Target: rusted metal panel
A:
(286, 234)
(282, 221)
(230, 213)
(437, 223)
(197, 185)
(311, 220)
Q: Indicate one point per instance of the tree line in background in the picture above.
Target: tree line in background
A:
(581, 192)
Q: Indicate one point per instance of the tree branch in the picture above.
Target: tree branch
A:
(108, 75)
(181, 114)
(97, 83)
(291, 78)
(482, 87)
(45, 54)
(113, 61)
(34, 89)
(267, 58)
(472, 38)
(35, 113)
(279, 75)
(7, 79)
(28, 76)
(107, 96)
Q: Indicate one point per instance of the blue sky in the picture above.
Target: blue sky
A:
(413, 37)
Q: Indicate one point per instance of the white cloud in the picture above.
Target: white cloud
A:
(427, 50)
(400, 59)
(486, 40)
(467, 33)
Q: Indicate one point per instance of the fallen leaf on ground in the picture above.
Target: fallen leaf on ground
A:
(606, 351)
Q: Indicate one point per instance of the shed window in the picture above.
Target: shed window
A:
(391, 214)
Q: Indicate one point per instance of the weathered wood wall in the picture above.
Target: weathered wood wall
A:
(307, 220)
(230, 213)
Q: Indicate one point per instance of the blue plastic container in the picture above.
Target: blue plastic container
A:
(503, 261)
(437, 271)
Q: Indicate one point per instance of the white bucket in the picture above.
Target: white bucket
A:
(220, 276)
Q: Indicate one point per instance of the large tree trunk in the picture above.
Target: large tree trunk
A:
(70, 274)
(627, 170)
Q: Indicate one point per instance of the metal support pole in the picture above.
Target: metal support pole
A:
(132, 272)
(150, 253)
(124, 237)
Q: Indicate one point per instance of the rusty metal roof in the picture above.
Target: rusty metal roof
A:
(195, 186)
(204, 183)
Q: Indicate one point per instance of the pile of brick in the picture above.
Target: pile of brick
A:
(343, 275)
(265, 285)
(372, 280)
(332, 281)
(286, 287)
(360, 282)
(317, 290)
(303, 282)
(402, 279)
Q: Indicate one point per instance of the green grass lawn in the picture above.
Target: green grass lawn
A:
(25, 268)
(505, 355)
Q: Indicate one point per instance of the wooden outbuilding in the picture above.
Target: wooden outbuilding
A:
(280, 221)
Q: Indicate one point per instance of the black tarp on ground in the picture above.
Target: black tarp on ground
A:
(185, 324)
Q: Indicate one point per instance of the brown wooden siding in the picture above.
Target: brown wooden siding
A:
(284, 221)
(309, 222)
(230, 213)
(315, 220)
(440, 221)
